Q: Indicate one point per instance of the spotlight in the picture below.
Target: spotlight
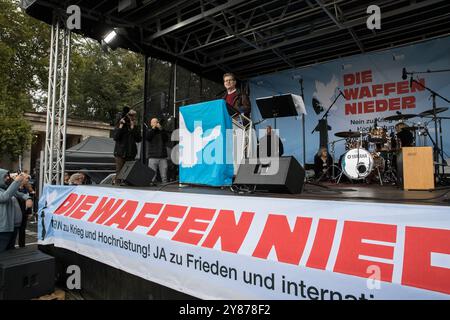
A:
(110, 37)
(111, 40)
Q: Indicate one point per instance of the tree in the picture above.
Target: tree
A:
(23, 52)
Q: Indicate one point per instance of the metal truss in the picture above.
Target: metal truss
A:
(58, 81)
(245, 138)
(253, 37)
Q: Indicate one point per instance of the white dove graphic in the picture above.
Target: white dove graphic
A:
(193, 142)
(325, 93)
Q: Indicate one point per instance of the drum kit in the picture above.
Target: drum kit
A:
(372, 154)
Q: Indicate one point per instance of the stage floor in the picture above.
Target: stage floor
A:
(329, 191)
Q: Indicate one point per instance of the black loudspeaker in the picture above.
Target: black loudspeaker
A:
(288, 176)
(136, 174)
(26, 273)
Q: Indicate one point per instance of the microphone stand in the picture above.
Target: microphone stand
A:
(325, 117)
(438, 144)
(303, 122)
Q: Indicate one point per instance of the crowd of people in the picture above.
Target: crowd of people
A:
(16, 207)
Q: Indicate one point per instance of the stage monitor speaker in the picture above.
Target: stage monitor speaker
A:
(26, 273)
(415, 168)
(136, 174)
(288, 176)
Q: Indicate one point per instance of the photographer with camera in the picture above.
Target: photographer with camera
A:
(10, 211)
(126, 135)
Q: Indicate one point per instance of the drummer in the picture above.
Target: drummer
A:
(404, 135)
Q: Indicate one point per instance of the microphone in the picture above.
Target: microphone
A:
(404, 74)
(317, 106)
(342, 94)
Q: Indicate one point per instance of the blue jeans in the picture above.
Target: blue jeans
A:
(161, 164)
(5, 239)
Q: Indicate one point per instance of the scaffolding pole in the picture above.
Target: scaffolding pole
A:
(57, 103)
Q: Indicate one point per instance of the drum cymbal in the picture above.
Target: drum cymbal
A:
(349, 134)
(398, 117)
(430, 112)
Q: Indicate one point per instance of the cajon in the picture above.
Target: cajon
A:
(415, 168)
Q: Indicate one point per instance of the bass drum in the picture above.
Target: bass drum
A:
(357, 163)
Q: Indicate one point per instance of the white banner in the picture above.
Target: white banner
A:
(235, 247)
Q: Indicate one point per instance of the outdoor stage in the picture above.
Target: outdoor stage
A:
(336, 192)
(329, 242)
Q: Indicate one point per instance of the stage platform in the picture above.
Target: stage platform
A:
(327, 191)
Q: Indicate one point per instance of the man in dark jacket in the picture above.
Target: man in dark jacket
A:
(126, 135)
(157, 139)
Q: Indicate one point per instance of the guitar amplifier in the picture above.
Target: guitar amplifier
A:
(26, 273)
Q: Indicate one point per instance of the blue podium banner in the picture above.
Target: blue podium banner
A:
(203, 155)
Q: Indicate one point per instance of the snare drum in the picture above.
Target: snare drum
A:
(357, 163)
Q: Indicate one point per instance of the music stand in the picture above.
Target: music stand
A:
(277, 107)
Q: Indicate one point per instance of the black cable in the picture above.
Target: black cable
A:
(243, 189)
(162, 186)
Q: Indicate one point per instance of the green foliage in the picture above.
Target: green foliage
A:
(23, 60)
(101, 83)
(15, 136)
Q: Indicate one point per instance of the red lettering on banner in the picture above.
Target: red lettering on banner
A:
(351, 247)
(364, 92)
(289, 245)
(77, 204)
(123, 216)
(381, 105)
(418, 272)
(368, 106)
(80, 212)
(142, 219)
(323, 242)
(350, 108)
(416, 87)
(67, 204)
(357, 78)
(377, 89)
(409, 102)
(163, 222)
(371, 106)
(366, 76)
(191, 222)
(389, 88)
(230, 233)
(394, 104)
(403, 87)
(351, 93)
(105, 209)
